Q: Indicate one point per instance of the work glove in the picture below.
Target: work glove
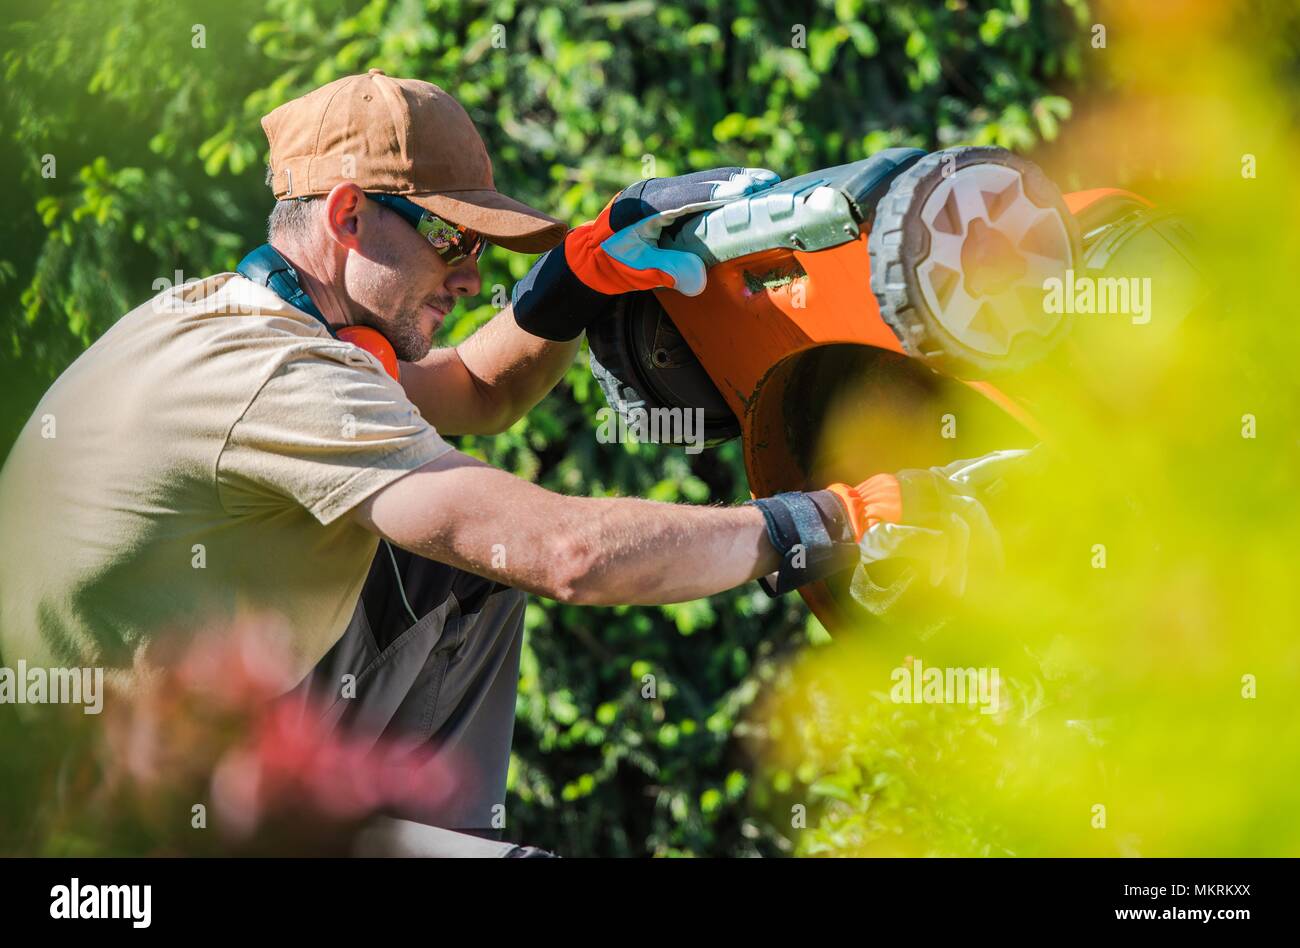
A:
(574, 284)
(923, 528)
(943, 536)
(818, 532)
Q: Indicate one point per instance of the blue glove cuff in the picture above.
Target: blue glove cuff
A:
(551, 302)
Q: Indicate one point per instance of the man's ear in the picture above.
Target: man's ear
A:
(346, 214)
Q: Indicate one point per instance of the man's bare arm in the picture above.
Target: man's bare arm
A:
(489, 381)
(581, 550)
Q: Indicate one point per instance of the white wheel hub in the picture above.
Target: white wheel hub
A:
(991, 249)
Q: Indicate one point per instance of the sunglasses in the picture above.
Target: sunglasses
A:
(452, 242)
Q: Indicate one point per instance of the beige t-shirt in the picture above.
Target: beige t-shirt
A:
(193, 466)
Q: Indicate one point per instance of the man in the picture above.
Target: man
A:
(225, 449)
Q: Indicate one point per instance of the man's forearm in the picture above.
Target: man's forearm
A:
(514, 366)
(583, 550)
(641, 552)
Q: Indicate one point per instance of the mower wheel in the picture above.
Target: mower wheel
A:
(961, 247)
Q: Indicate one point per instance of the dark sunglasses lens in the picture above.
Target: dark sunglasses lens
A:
(452, 243)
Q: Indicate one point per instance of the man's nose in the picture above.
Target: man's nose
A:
(464, 279)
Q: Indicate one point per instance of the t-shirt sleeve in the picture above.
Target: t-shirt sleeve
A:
(325, 435)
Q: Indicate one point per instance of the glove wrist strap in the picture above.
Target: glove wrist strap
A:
(810, 532)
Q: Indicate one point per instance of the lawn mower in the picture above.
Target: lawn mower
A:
(875, 316)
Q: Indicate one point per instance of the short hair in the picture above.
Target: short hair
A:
(290, 220)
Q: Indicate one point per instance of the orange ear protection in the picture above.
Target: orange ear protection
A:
(267, 268)
(374, 342)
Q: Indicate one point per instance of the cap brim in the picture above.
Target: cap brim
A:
(502, 220)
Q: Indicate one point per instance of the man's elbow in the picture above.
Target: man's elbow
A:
(575, 575)
(494, 410)
(493, 417)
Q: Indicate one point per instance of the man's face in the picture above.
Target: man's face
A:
(400, 284)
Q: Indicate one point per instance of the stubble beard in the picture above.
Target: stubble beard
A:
(408, 340)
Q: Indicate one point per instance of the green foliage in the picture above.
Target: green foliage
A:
(158, 168)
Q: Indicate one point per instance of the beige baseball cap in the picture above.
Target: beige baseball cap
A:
(399, 136)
